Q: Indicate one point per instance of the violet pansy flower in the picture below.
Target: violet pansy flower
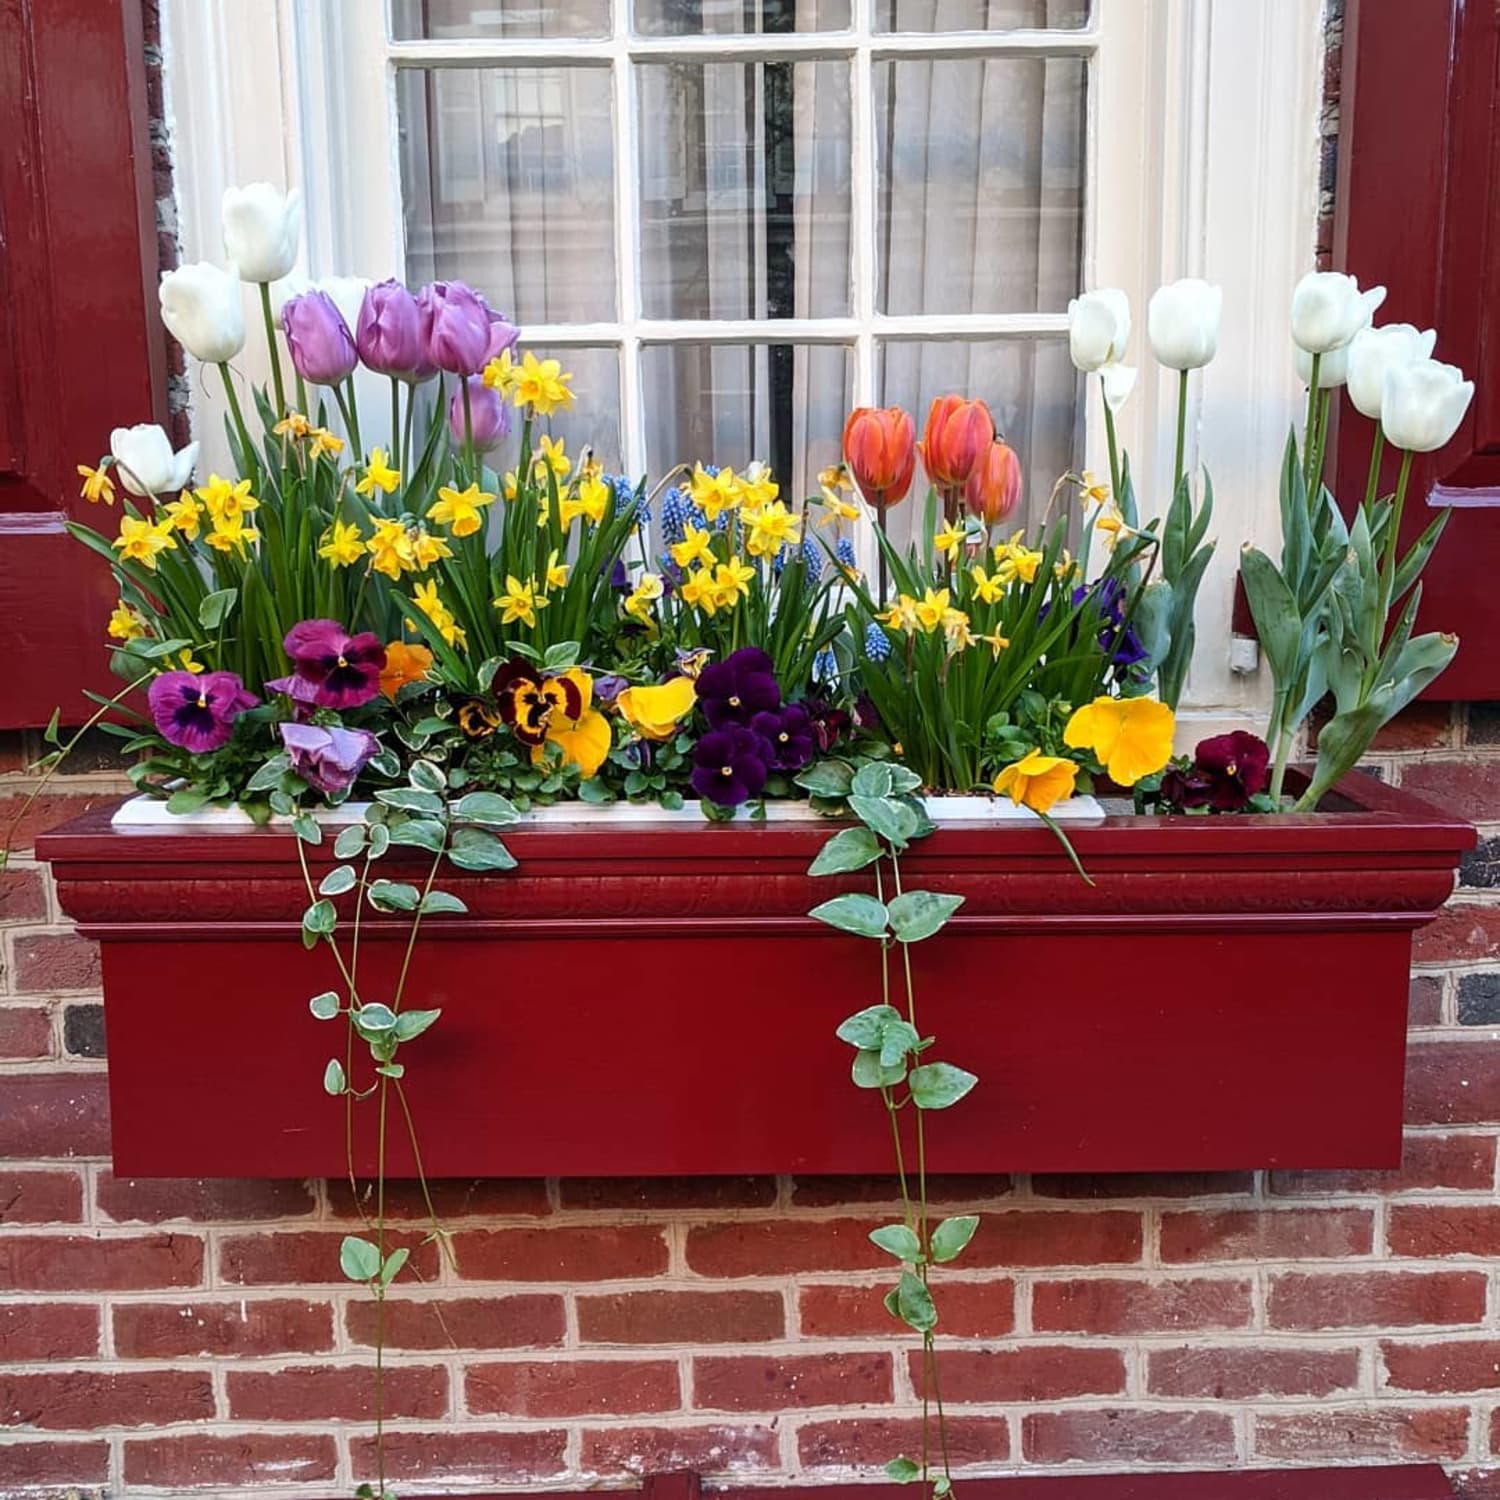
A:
(734, 690)
(197, 711)
(342, 669)
(328, 759)
(730, 765)
(789, 734)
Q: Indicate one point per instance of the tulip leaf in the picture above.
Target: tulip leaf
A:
(851, 849)
(918, 914)
(898, 1240)
(472, 849)
(334, 1081)
(865, 1028)
(939, 1085)
(1278, 625)
(853, 912)
(952, 1235)
(325, 1006)
(339, 879)
(359, 1260)
(420, 833)
(868, 1072)
(486, 808)
(914, 1303)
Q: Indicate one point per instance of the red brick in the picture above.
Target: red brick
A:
(1055, 1237)
(1453, 1083)
(1421, 726)
(774, 1382)
(461, 1457)
(55, 1114)
(966, 1309)
(213, 1200)
(1084, 1186)
(249, 1458)
(1032, 1372)
(532, 1320)
(1468, 788)
(452, 1198)
(1232, 1373)
(716, 1449)
(782, 1247)
(942, 1187)
(31, 1332)
(681, 1318)
(84, 1263)
(652, 1194)
(1424, 1001)
(40, 1197)
(868, 1443)
(62, 1464)
(1120, 1306)
(77, 1400)
(572, 1388)
(1423, 1229)
(25, 1032)
(1461, 933)
(1428, 1162)
(1122, 1436)
(336, 1393)
(23, 896)
(244, 1326)
(1376, 1299)
(1280, 1234)
(1479, 1484)
(1457, 1365)
(307, 1257)
(1341, 1435)
(46, 962)
(48, 811)
(560, 1254)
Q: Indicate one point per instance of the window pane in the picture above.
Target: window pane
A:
(980, 15)
(745, 190)
(696, 17)
(594, 418)
(420, 20)
(1030, 386)
(508, 182)
(728, 404)
(981, 184)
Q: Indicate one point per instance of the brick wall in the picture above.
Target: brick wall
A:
(196, 1336)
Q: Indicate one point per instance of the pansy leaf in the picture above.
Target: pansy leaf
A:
(873, 779)
(937, 1085)
(321, 917)
(472, 849)
(488, 809)
(865, 1027)
(412, 1023)
(441, 901)
(420, 833)
(853, 912)
(868, 1072)
(893, 821)
(898, 1240)
(351, 841)
(918, 914)
(334, 1081)
(827, 778)
(374, 1019)
(325, 1006)
(187, 799)
(306, 827)
(897, 1038)
(950, 1237)
(393, 895)
(338, 880)
(914, 1303)
(359, 1260)
(411, 799)
(214, 608)
(851, 849)
(902, 1470)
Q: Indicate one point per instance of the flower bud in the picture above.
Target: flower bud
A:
(1422, 404)
(1182, 322)
(1328, 309)
(262, 226)
(489, 415)
(147, 466)
(880, 450)
(388, 334)
(459, 338)
(994, 488)
(958, 435)
(322, 347)
(1098, 328)
(200, 304)
(1373, 351)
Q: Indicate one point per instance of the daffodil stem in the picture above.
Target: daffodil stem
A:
(1182, 393)
(265, 308)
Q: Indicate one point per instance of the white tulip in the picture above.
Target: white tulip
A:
(1098, 328)
(284, 290)
(348, 294)
(1333, 367)
(1182, 322)
(146, 462)
(1373, 351)
(1119, 382)
(1422, 404)
(262, 226)
(1328, 309)
(200, 304)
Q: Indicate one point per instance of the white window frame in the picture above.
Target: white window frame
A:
(1202, 154)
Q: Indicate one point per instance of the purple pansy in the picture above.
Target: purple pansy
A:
(343, 670)
(789, 733)
(328, 759)
(197, 711)
(734, 690)
(730, 765)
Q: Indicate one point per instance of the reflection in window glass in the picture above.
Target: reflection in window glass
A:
(594, 417)
(980, 15)
(783, 404)
(981, 188)
(1030, 386)
(507, 183)
(761, 17)
(422, 20)
(745, 190)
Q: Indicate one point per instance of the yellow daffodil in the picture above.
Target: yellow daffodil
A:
(930, 610)
(949, 539)
(996, 642)
(835, 481)
(140, 541)
(224, 500)
(426, 599)
(510, 486)
(230, 534)
(185, 661)
(293, 424)
(461, 510)
(1092, 491)
(771, 527)
(1014, 560)
(392, 549)
(97, 485)
(557, 571)
(646, 592)
(1111, 523)
(987, 586)
(343, 545)
(714, 493)
(757, 487)
(732, 582)
(427, 548)
(125, 623)
(836, 509)
(655, 713)
(574, 725)
(324, 441)
(185, 514)
(379, 475)
(552, 455)
(1131, 737)
(541, 385)
(520, 601)
(696, 546)
(698, 590)
(1037, 781)
(501, 374)
(902, 615)
(956, 630)
(593, 496)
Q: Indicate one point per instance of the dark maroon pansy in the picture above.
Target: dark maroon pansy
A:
(342, 669)
(734, 690)
(197, 711)
(1227, 771)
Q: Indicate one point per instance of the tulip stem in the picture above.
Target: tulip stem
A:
(1377, 453)
(395, 424)
(1310, 428)
(468, 429)
(1182, 390)
(265, 308)
(237, 414)
(1114, 448)
(406, 436)
(1393, 531)
(351, 417)
(1324, 404)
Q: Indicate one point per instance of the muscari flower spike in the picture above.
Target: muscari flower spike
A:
(877, 642)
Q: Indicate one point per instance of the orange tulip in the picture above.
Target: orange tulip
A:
(880, 449)
(958, 435)
(993, 490)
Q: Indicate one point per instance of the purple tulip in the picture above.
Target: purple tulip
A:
(503, 335)
(343, 670)
(389, 335)
(459, 339)
(734, 690)
(197, 711)
(730, 765)
(322, 347)
(488, 414)
(328, 759)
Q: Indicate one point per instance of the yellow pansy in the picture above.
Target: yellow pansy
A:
(379, 475)
(713, 493)
(342, 546)
(520, 601)
(224, 500)
(987, 586)
(126, 624)
(462, 510)
(140, 541)
(1037, 781)
(1131, 737)
(541, 385)
(930, 609)
(771, 527)
(97, 485)
(392, 549)
(656, 712)
(185, 514)
(577, 728)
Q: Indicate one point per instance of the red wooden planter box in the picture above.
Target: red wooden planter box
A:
(650, 1001)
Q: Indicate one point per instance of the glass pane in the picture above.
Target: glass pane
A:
(1030, 386)
(981, 186)
(980, 15)
(761, 17)
(420, 20)
(728, 404)
(745, 190)
(594, 418)
(507, 181)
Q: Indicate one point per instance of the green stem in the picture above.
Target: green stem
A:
(1388, 567)
(406, 436)
(237, 415)
(469, 431)
(1310, 428)
(1182, 390)
(265, 308)
(1114, 448)
(351, 418)
(395, 424)
(1377, 453)
(1325, 402)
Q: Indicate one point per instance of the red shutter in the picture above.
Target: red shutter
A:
(80, 347)
(1419, 212)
